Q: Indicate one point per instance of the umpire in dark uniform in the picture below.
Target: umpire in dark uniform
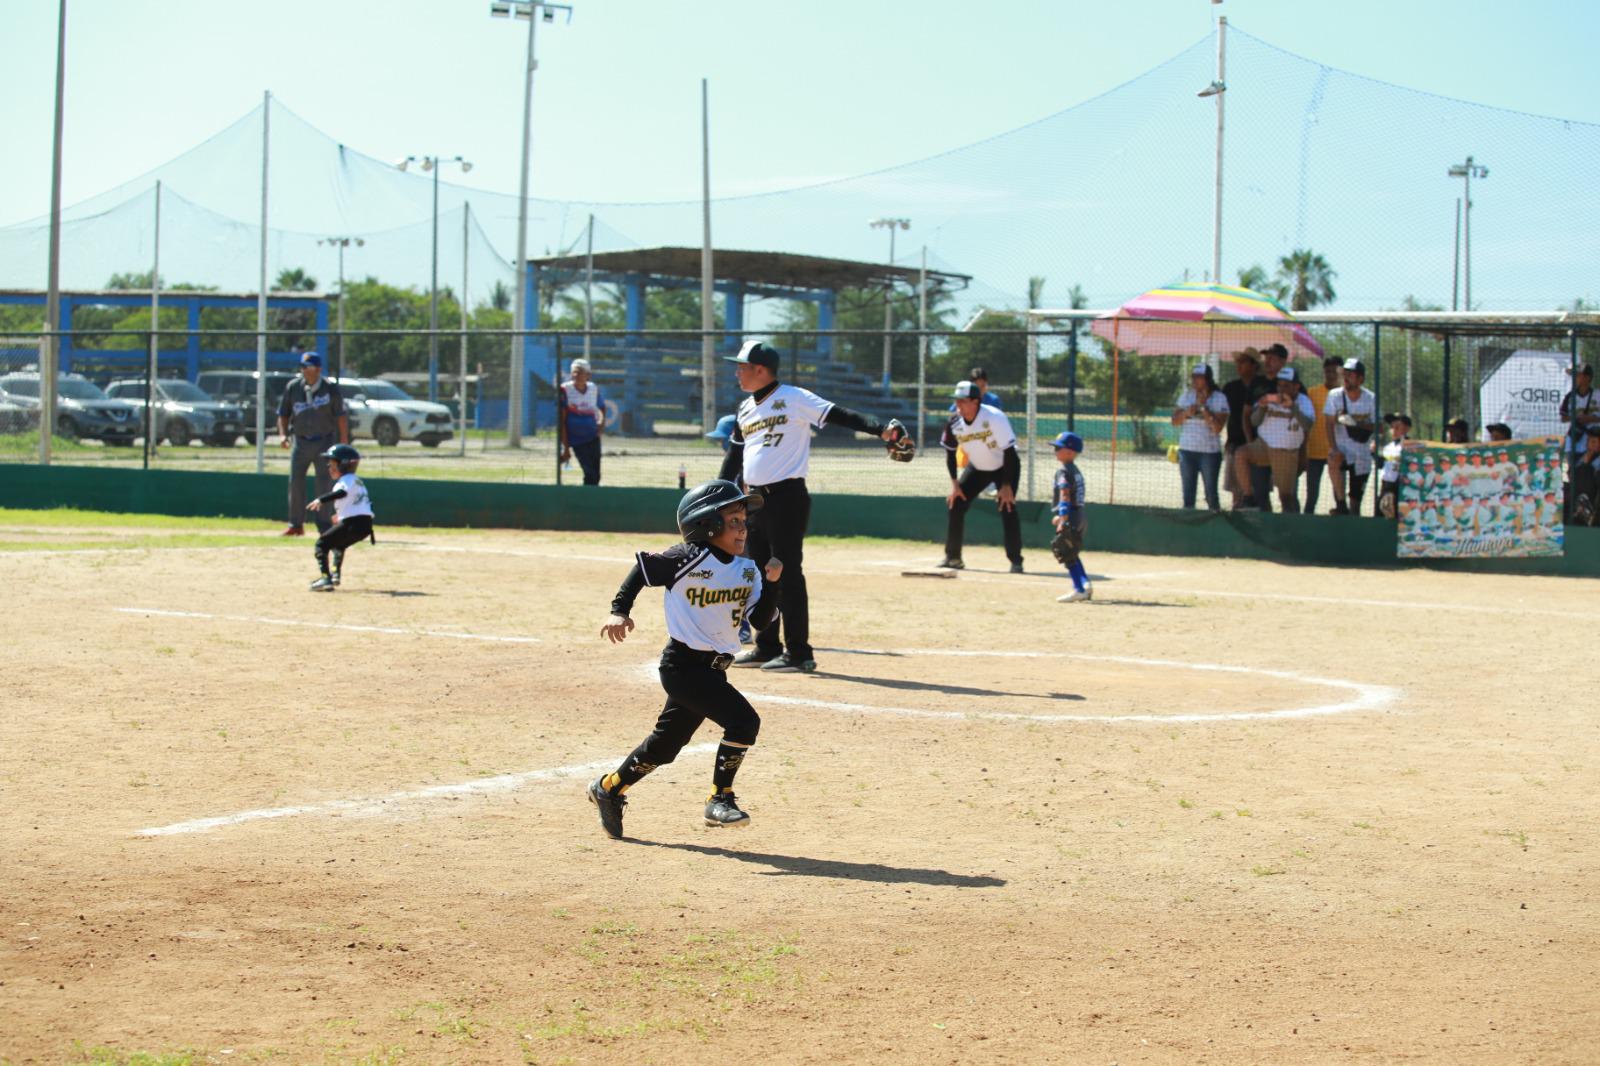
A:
(311, 420)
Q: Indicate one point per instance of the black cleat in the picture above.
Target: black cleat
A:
(755, 657)
(723, 810)
(952, 564)
(1016, 568)
(324, 584)
(788, 664)
(610, 805)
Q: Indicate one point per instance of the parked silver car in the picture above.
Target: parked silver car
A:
(387, 413)
(82, 410)
(184, 412)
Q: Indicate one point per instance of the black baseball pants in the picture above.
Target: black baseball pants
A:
(340, 536)
(778, 531)
(972, 483)
(695, 692)
(588, 456)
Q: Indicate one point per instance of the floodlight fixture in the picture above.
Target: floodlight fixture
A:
(499, 10)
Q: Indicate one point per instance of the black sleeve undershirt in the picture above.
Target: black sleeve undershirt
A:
(843, 416)
(766, 608)
(1012, 467)
(338, 493)
(733, 461)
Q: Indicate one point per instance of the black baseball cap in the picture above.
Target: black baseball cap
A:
(977, 372)
(756, 353)
(1398, 416)
(1356, 366)
(1592, 429)
(1276, 349)
(966, 390)
(1586, 368)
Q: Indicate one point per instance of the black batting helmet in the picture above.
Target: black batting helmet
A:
(700, 510)
(346, 456)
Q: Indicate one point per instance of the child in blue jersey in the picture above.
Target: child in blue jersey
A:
(1068, 496)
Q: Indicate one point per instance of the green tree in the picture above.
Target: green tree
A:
(1143, 386)
(1035, 292)
(1305, 279)
(294, 279)
(500, 297)
(1256, 278)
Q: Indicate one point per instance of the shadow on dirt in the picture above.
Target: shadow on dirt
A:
(393, 594)
(952, 690)
(797, 866)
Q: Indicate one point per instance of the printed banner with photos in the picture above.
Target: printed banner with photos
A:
(1465, 501)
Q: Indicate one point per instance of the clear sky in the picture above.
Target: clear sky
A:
(798, 92)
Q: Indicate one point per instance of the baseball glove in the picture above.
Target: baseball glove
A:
(1066, 545)
(902, 449)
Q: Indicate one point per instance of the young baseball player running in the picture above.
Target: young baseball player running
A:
(985, 435)
(1069, 521)
(770, 451)
(352, 509)
(709, 589)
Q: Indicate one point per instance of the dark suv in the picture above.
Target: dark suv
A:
(82, 410)
(183, 411)
(238, 387)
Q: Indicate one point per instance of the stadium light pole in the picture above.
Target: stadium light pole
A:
(341, 243)
(523, 9)
(435, 164)
(890, 224)
(1466, 172)
(1218, 89)
(50, 365)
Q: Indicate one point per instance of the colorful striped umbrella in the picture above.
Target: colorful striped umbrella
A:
(1199, 318)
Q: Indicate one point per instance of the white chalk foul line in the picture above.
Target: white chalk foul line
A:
(481, 786)
(1365, 697)
(301, 623)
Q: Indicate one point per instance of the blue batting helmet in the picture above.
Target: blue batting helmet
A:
(1069, 439)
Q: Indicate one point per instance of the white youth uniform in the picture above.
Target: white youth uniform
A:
(706, 599)
(1195, 434)
(355, 500)
(1355, 453)
(984, 439)
(777, 433)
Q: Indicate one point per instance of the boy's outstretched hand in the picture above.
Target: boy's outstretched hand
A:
(617, 628)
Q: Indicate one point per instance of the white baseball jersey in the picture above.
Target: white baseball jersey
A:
(777, 433)
(706, 599)
(1356, 453)
(355, 500)
(1279, 429)
(984, 439)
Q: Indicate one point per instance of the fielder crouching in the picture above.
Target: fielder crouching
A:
(352, 509)
(709, 592)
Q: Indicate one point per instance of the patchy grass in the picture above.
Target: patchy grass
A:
(109, 1056)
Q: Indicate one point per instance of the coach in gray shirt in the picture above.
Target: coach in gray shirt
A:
(311, 420)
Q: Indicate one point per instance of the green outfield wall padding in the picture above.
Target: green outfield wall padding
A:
(1303, 539)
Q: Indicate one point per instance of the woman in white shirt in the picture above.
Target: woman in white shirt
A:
(1201, 414)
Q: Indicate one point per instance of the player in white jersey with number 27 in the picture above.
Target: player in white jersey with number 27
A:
(710, 590)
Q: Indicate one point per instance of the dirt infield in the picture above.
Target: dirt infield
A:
(234, 831)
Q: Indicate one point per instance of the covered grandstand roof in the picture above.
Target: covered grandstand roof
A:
(774, 269)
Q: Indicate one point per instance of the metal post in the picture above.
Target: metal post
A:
(1466, 237)
(1221, 94)
(1033, 400)
(461, 380)
(155, 339)
(588, 289)
(1377, 395)
(560, 425)
(338, 369)
(1072, 377)
(708, 355)
(519, 309)
(922, 344)
(433, 294)
(1444, 414)
(50, 346)
(1455, 269)
(261, 295)
(888, 314)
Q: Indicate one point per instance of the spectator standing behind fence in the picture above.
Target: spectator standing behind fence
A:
(1586, 479)
(1497, 431)
(311, 420)
(1201, 414)
(1580, 409)
(1317, 439)
(1272, 460)
(1273, 359)
(581, 420)
(1393, 451)
(1240, 393)
(1456, 431)
(1352, 413)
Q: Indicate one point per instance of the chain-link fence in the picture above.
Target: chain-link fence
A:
(438, 406)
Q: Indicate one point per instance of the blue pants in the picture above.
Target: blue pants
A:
(588, 456)
(1195, 466)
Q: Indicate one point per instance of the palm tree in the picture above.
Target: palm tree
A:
(294, 279)
(1255, 278)
(1035, 292)
(1306, 278)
